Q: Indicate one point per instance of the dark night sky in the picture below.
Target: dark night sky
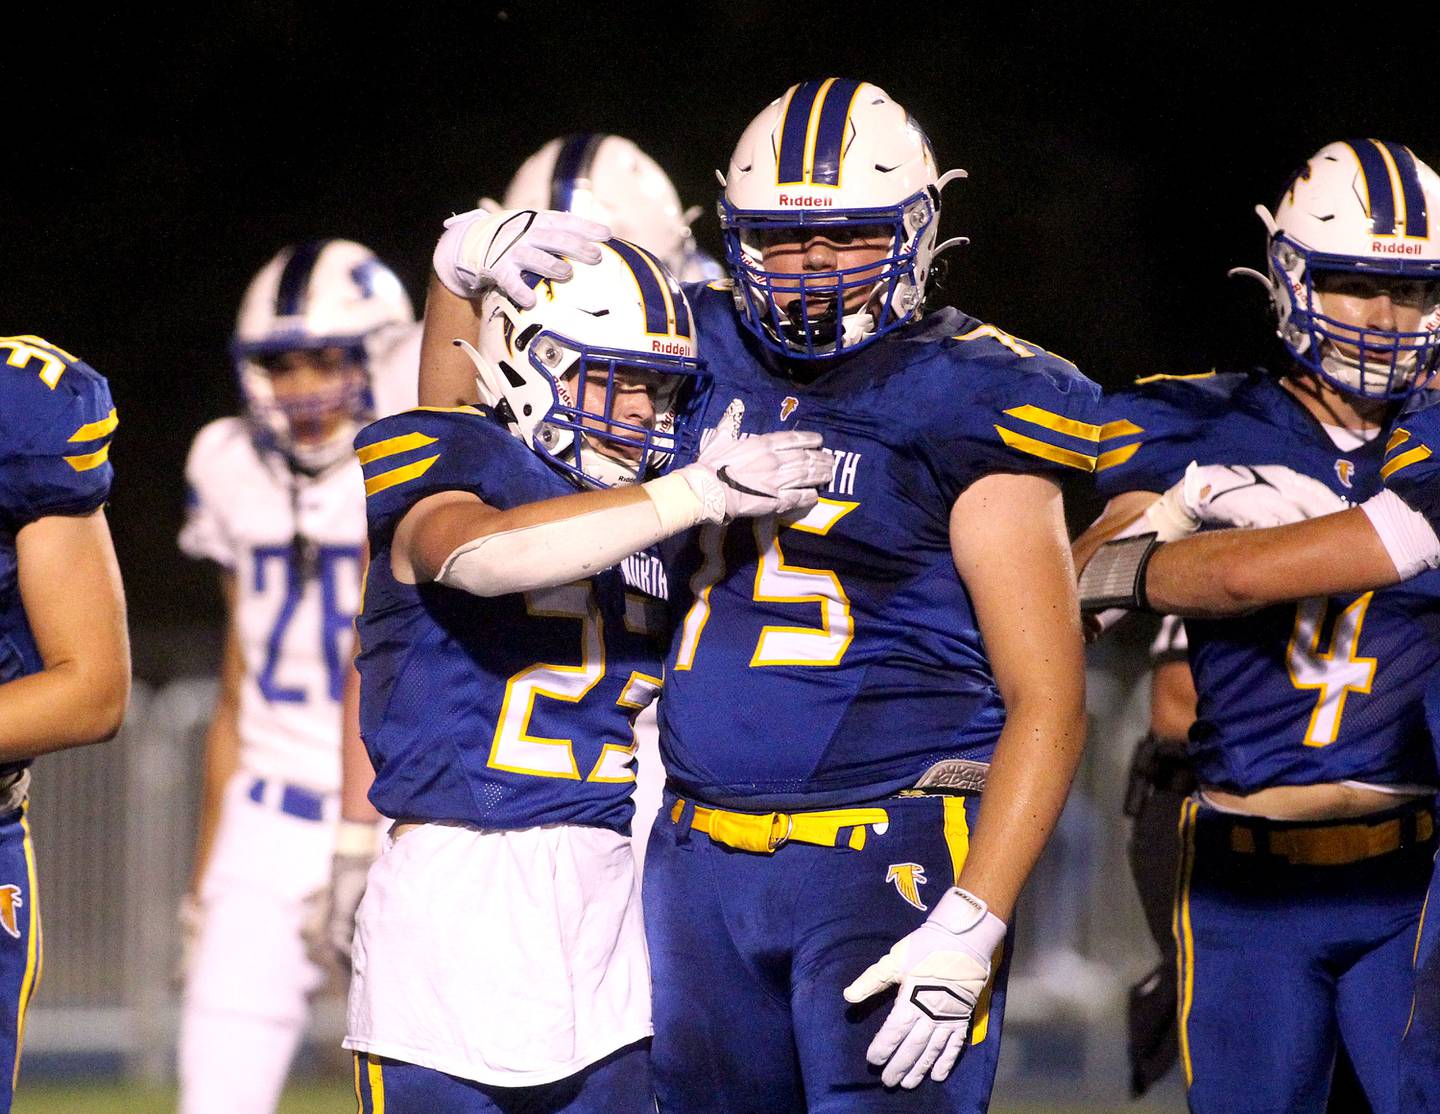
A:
(155, 162)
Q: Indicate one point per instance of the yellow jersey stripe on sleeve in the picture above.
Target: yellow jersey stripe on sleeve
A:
(93, 430)
(1045, 451)
(1071, 427)
(1404, 460)
(392, 445)
(1116, 456)
(89, 460)
(1398, 438)
(1163, 378)
(403, 474)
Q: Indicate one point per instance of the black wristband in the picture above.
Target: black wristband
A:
(1115, 576)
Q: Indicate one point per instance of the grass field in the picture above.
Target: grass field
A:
(318, 1098)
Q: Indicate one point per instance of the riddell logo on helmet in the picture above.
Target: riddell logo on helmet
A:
(807, 202)
(1395, 247)
(669, 348)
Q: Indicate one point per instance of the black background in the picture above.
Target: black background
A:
(153, 162)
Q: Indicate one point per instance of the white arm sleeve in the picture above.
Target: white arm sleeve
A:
(570, 549)
(1407, 536)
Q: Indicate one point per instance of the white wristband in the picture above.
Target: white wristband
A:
(677, 502)
(1408, 538)
(961, 912)
(356, 838)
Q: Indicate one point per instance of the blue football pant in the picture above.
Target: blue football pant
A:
(618, 1084)
(1420, 1049)
(21, 944)
(1278, 962)
(750, 952)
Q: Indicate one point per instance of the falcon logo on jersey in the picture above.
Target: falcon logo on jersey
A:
(908, 878)
(787, 406)
(1344, 471)
(10, 901)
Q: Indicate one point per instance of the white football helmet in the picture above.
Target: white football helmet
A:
(1359, 207)
(831, 155)
(607, 178)
(618, 335)
(326, 294)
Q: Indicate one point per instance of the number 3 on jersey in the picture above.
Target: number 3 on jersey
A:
(1337, 672)
(778, 582)
(513, 747)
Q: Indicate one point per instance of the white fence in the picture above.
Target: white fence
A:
(114, 827)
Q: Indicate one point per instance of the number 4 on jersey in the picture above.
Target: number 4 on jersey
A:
(1337, 672)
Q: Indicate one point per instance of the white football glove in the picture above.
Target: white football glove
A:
(770, 473)
(1239, 495)
(941, 969)
(480, 250)
(329, 929)
(191, 918)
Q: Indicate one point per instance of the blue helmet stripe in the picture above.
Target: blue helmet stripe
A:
(1377, 186)
(652, 295)
(678, 305)
(577, 152)
(790, 162)
(1417, 220)
(830, 132)
(295, 278)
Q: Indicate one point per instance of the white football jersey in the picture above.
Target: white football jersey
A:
(295, 611)
(395, 368)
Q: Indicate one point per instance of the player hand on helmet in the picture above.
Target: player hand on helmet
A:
(771, 473)
(479, 250)
(1239, 495)
(940, 969)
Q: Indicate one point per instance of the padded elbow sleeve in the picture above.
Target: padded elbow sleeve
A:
(1406, 534)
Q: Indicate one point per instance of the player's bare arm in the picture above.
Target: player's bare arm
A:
(480, 251)
(1030, 621)
(75, 603)
(222, 740)
(447, 377)
(1230, 572)
(456, 538)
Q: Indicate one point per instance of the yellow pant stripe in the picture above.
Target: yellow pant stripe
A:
(1415, 959)
(957, 838)
(377, 1084)
(957, 833)
(1184, 936)
(359, 1095)
(34, 947)
(980, 1028)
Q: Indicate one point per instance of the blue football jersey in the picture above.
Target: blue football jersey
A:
(1412, 459)
(56, 419)
(1296, 694)
(504, 712)
(835, 658)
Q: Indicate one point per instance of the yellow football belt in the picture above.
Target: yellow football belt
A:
(1338, 845)
(766, 831)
